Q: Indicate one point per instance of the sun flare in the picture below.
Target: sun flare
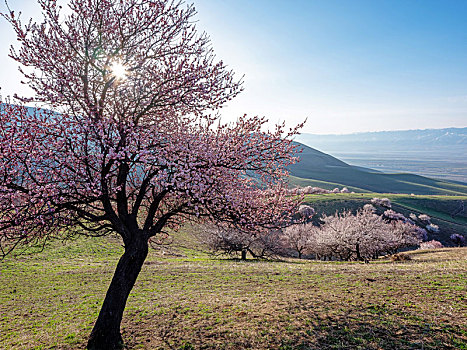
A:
(119, 70)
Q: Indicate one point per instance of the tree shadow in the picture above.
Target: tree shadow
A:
(377, 332)
(374, 328)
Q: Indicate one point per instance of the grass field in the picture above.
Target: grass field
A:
(188, 300)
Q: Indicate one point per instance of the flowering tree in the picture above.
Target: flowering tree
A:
(305, 212)
(129, 148)
(433, 244)
(421, 233)
(369, 207)
(297, 238)
(263, 244)
(234, 241)
(424, 217)
(432, 228)
(457, 239)
(229, 241)
(308, 190)
(384, 202)
(362, 236)
(391, 215)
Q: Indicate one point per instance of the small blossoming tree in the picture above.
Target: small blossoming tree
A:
(384, 202)
(457, 239)
(129, 147)
(433, 244)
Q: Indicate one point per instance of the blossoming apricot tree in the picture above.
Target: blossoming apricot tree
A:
(130, 147)
(362, 236)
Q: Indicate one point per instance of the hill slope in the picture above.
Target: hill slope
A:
(316, 165)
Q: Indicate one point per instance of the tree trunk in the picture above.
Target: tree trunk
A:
(357, 248)
(106, 332)
(244, 254)
(299, 254)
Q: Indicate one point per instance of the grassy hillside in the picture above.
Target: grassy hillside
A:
(318, 166)
(448, 212)
(190, 301)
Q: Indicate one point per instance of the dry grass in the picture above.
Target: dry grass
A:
(50, 301)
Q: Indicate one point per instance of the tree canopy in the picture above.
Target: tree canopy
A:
(128, 140)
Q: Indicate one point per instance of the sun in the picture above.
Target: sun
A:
(119, 70)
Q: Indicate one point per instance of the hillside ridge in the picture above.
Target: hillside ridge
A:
(317, 165)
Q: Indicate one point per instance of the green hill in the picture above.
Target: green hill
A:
(318, 166)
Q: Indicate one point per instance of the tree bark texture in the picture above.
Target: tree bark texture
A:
(106, 332)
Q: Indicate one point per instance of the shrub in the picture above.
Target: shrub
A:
(400, 257)
(424, 217)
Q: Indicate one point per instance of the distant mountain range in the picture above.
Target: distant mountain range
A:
(436, 153)
(429, 140)
(323, 170)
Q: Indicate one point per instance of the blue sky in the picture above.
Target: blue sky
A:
(345, 65)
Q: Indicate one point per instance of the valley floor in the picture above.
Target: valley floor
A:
(445, 168)
(192, 301)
